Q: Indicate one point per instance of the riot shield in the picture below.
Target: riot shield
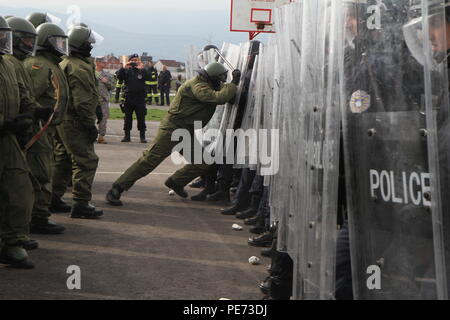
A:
(315, 214)
(394, 106)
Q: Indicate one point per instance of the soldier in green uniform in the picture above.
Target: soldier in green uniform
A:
(78, 128)
(16, 188)
(41, 71)
(44, 68)
(195, 101)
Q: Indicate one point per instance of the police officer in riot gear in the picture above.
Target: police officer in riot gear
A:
(136, 80)
(78, 128)
(16, 188)
(195, 101)
(40, 154)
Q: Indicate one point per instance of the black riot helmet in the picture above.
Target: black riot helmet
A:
(6, 46)
(52, 38)
(24, 35)
(82, 40)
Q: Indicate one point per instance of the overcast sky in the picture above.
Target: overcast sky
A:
(61, 5)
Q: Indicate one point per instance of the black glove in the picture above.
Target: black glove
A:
(122, 107)
(18, 124)
(93, 133)
(43, 113)
(236, 77)
(99, 113)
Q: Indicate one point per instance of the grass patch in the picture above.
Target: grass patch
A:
(152, 114)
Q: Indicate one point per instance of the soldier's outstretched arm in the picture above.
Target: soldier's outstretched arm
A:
(206, 94)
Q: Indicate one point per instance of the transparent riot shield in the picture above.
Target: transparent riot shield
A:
(394, 106)
(315, 214)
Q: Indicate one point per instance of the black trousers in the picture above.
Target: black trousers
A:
(344, 289)
(135, 104)
(165, 92)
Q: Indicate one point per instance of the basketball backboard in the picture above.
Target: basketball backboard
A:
(254, 16)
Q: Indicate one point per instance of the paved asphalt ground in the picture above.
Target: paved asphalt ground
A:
(155, 247)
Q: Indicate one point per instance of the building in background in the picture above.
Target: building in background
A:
(173, 66)
(108, 63)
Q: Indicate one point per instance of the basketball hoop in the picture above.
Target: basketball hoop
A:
(254, 16)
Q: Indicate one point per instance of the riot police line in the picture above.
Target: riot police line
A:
(358, 90)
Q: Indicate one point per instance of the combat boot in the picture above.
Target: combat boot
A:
(45, 226)
(58, 205)
(265, 285)
(222, 194)
(252, 211)
(113, 196)
(16, 257)
(30, 245)
(143, 139)
(264, 240)
(88, 211)
(127, 137)
(204, 194)
(198, 184)
(177, 189)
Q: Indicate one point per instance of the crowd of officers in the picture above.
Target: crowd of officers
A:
(49, 106)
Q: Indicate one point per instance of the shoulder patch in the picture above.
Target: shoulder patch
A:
(35, 67)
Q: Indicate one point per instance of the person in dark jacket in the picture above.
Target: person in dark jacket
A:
(164, 81)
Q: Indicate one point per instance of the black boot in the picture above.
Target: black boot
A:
(198, 184)
(45, 226)
(88, 211)
(58, 205)
(16, 257)
(143, 140)
(259, 227)
(253, 210)
(177, 189)
(127, 137)
(113, 196)
(265, 285)
(264, 240)
(233, 210)
(30, 245)
(222, 193)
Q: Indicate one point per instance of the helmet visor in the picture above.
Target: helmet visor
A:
(6, 43)
(95, 38)
(416, 39)
(52, 19)
(27, 42)
(60, 44)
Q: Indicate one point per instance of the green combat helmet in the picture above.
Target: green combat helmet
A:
(52, 38)
(24, 35)
(6, 46)
(216, 71)
(38, 18)
(81, 40)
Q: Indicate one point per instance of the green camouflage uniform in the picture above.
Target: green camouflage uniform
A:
(16, 188)
(50, 152)
(195, 101)
(79, 119)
